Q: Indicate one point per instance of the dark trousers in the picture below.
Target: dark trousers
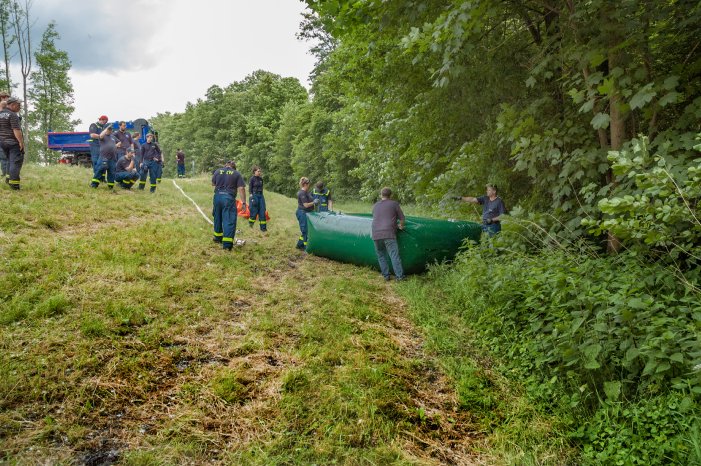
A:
(104, 166)
(491, 229)
(181, 171)
(94, 155)
(151, 168)
(15, 160)
(256, 205)
(126, 179)
(302, 219)
(159, 172)
(224, 213)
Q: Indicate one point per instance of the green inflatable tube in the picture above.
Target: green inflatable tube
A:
(347, 238)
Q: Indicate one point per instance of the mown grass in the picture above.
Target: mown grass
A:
(127, 335)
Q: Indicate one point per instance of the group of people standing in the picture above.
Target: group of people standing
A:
(11, 140)
(118, 157)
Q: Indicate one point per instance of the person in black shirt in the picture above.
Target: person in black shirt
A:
(95, 130)
(126, 173)
(107, 163)
(226, 181)
(492, 209)
(305, 203)
(180, 155)
(124, 140)
(257, 201)
(11, 142)
(150, 154)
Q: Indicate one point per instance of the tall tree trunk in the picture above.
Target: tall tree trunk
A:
(20, 20)
(7, 39)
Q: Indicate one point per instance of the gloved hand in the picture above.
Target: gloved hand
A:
(489, 221)
(317, 201)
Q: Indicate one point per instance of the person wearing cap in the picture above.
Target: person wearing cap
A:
(124, 140)
(257, 201)
(95, 130)
(305, 204)
(492, 209)
(11, 142)
(107, 163)
(226, 181)
(324, 195)
(180, 156)
(387, 216)
(150, 154)
(126, 174)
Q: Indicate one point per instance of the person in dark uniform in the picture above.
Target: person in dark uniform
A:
(150, 155)
(305, 203)
(324, 195)
(124, 140)
(95, 130)
(492, 209)
(108, 159)
(126, 174)
(12, 141)
(226, 181)
(257, 201)
(180, 155)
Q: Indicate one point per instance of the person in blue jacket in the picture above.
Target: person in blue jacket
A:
(323, 194)
(257, 201)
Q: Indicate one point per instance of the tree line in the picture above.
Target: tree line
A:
(436, 98)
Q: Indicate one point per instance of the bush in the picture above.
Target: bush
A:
(607, 336)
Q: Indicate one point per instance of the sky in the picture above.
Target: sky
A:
(137, 58)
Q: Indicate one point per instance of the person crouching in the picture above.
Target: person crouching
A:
(126, 172)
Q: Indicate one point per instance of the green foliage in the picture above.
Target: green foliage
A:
(653, 431)
(50, 95)
(237, 122)
(612, 340)
(656, 206)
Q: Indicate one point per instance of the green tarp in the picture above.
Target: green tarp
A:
(346, 238)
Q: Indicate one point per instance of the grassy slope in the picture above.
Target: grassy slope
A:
(125, 333)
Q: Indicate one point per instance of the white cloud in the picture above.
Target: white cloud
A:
(169, 52)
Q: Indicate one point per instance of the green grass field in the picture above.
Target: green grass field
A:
(127, 336)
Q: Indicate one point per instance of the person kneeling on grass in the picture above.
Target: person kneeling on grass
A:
(126, 173)
(385, 214)
(226, 181)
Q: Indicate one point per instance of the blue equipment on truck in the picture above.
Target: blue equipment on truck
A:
(75, 146)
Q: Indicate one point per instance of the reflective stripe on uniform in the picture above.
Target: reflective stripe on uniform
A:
(228, 240)
(218, 234)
